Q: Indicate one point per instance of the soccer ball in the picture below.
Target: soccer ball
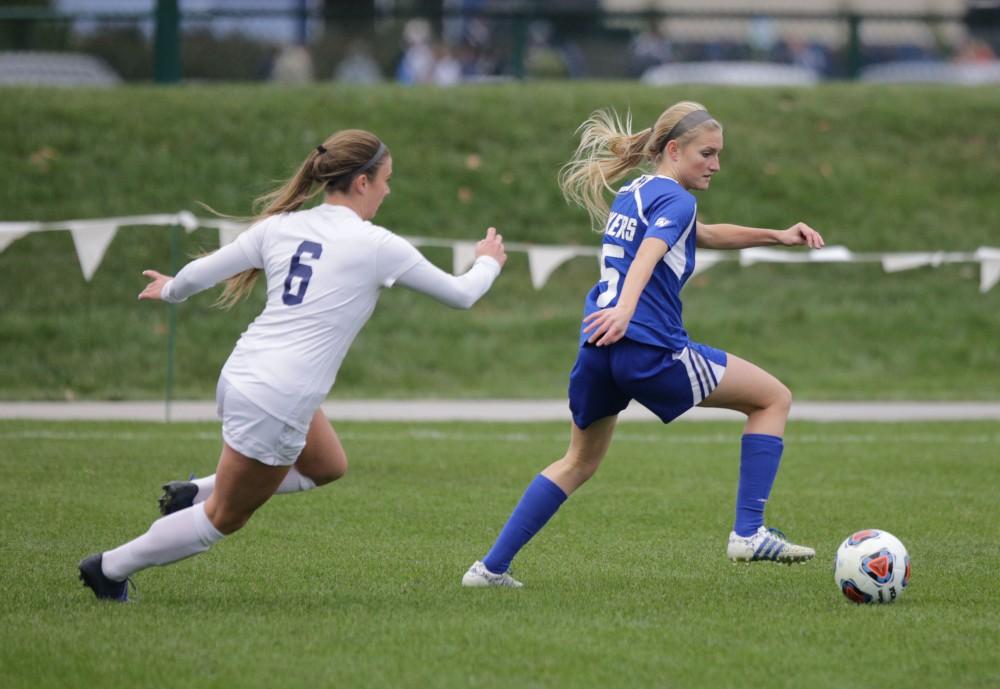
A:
(872, 567)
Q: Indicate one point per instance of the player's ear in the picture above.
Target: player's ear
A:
(360, 183)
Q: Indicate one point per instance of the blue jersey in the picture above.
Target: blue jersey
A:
(649, 206)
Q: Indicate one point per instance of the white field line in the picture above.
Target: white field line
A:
(498, 411)
(665, 437)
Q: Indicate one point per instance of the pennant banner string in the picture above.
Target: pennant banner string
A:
(92, 237)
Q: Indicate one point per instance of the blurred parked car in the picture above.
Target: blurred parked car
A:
(731, 73)
(55, 69)
(933, 72)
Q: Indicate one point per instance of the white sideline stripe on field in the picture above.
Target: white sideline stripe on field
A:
(661, 438)
(498, 410)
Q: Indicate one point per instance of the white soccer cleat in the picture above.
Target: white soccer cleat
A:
(766, 544)
(480, 577)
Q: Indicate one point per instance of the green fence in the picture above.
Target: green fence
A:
(305, 40)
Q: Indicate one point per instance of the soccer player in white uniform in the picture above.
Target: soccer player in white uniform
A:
(325, 268)
(633, 344)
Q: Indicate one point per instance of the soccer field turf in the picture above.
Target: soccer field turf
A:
(357, 584)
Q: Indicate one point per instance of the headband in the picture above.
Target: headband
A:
(687, 123)
(374, 159)
(321, 149)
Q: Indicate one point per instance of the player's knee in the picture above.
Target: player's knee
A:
(783, 397)
(228, 520)
(583, 467)
(331, 470)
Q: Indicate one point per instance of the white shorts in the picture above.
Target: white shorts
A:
(253, 432)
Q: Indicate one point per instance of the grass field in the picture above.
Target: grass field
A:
(356, 584)
(875, 169)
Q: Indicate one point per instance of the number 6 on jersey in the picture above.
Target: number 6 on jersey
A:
(299, 270)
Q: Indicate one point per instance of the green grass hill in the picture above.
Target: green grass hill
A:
(875, 169)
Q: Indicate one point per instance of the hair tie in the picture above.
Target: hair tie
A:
(321, 149)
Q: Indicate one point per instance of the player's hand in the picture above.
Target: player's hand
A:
(155, 288)
(607, 326)
(492, 246)
(801, 234)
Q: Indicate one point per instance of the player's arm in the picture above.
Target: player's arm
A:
(459, 291)
(607, 326)
(198, 275)
(728, 236)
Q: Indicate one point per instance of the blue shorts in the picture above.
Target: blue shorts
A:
(605, 379)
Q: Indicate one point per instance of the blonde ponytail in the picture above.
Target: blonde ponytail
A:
(608, 150)
(331, 166)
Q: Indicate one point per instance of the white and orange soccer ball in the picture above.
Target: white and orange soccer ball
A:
(872, 567)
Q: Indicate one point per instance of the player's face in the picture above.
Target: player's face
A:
(699, 160)
(378, 188)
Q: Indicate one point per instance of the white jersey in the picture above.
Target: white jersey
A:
(324, 267)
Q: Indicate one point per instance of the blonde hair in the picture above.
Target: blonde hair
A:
(332, 166)
(608, 149)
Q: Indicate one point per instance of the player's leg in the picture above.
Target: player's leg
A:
(322, 461)
(543, 497)
(766, 402)
(587, 448)
(595, 401)
(753, 391)
(242, 485)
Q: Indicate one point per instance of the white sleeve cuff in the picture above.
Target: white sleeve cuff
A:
(491, 263)
(166, 294)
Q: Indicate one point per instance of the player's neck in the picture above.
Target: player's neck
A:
(338, 198)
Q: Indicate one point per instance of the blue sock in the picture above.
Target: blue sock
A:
(759, 460)
(539, 502)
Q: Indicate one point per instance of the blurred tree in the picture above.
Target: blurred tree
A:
(31, 33)
(982, 17)
(350, 18)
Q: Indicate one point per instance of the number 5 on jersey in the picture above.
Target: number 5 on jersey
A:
(609, 274)
(300, 270)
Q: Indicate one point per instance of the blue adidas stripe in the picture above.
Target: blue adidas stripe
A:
(697, 375)
(774, 550)
(758, 554)
(708, 367)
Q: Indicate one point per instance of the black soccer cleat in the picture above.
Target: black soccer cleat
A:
(103, 587)
(177, 495)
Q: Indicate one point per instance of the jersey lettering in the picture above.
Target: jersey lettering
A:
(620, 226)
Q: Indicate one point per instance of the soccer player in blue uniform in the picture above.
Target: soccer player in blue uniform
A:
(633, 344)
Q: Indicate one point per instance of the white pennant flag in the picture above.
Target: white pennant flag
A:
(894, 263)
(229, 231)
(760, 254)
(989, 268)
(187, 220)
(705, 259)
(10, 232)
(543, 261)
(831, 254)
(91, 240)
(7, 238)
(462, 257)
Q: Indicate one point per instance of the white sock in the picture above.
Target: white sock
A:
(172, 538)
(294, 482)
(205, 487)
